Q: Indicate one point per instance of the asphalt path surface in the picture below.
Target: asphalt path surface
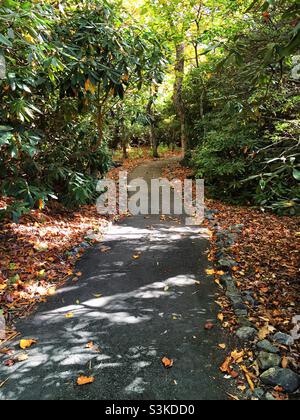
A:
(146, 298)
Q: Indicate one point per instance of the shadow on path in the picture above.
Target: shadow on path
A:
(136, 312)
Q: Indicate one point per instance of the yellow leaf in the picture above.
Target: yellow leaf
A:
(84, 380)
(248, 378)
(222, 346)
(217, 281)
(237, 356)
(210, 272)
(51, 291)
(25, 344)
(136, 257)
(220, 273)
(87, 85)
(265, 332)
(221, 317)
(70, 315)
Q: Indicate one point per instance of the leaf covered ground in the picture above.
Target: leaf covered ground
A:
(40, 252)
(267, 254)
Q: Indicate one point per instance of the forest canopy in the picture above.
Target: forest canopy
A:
(219, 79)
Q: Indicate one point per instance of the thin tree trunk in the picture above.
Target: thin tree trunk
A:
(197, 55)
(154, 143)
(100, 126)
(177, 97)
(124, 139)
(151, 115)
(124, 145)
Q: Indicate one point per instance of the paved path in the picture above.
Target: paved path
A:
(149, 308)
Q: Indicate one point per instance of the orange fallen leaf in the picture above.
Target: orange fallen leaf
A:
(234, 374)
(84, 380)
(210, 272)
(226, 365)
(220, 273)
(25, 344)
(168, 363)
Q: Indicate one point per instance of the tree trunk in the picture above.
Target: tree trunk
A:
(151, 115)
(124, 139)
(177, 97)
(154, 143)
(124, 145)
(100, 126)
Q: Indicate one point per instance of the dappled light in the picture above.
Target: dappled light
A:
(149, 201)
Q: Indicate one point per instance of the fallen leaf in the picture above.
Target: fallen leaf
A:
(84, 380)
(105, 249)
(210, 272)
(234, 374)
(220, 273)
(221, 317)
(9, 363)
(168, 363)
(21, 357)
(209, 326)
(285, 362)
(265, 332)
(222, 346)
(237, 356)
(218, 282)
(70, 315)
(136, 257)
(226, 365)
(26, 344)
(233, 397)
(6, 351)
(248, 378)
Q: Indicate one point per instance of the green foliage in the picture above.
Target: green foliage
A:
(243, 114)
(64, 67)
